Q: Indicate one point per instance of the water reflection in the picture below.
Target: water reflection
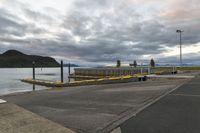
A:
(10, 78)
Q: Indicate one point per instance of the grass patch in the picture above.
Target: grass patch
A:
(178, 68)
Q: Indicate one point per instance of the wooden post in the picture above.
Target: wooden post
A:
(33, 63)
(61, 70)
(69, 71)
(33, 70)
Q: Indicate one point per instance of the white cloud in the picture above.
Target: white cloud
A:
(62, 6)
(172, 51)
(100, 30)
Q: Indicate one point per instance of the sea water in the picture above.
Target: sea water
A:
(10, 78)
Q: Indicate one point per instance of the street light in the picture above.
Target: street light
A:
(180, 31)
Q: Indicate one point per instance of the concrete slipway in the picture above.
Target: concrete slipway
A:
(85, 109)
(178, 112)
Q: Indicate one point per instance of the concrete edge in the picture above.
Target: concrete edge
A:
(117, 130)
(112, 126)
(2, 101)
(39, 117)
(122, 79)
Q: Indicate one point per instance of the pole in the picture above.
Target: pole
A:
(61, 70)
(33, 63)
(180, 48)
(69, 71)
(33, 70)
(180, 31)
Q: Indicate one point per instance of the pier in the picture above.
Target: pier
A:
(106, 71)
(98, 81)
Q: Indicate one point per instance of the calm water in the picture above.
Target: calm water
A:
(10, 78)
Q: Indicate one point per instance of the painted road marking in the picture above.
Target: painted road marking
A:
(2, 101)
(186, 95)
(117, 130)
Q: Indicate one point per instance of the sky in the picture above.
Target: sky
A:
(102, 31)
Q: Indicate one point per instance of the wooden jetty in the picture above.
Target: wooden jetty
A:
(93, 76)
(105, 72)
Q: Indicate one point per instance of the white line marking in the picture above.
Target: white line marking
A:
(187, 95)
(2, 101)
(117, 130)
(130, 115)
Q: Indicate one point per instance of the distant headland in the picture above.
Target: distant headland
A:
(16, 59)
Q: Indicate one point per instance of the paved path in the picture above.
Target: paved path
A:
(14, 119)
(96, 108)
(178, 112)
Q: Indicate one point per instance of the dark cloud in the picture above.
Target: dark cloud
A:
(101, 30)
(187, 59)
(9, 26)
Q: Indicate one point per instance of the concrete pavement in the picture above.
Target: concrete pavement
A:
(96, 108)
(14, 119)
(178, 112)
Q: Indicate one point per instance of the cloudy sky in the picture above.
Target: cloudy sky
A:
(102, 31)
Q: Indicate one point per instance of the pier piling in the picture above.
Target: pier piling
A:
(33, 74)
(61, 70)
(33, 70)
(69, 71)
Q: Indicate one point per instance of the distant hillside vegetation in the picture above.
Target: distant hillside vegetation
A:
(14, 58)
(71, 65)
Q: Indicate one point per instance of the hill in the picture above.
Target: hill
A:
(71, 65)
(14, 58)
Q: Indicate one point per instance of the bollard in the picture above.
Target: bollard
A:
(61, 71)
(33, 63)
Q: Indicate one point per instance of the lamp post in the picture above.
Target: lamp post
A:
(180, 31)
